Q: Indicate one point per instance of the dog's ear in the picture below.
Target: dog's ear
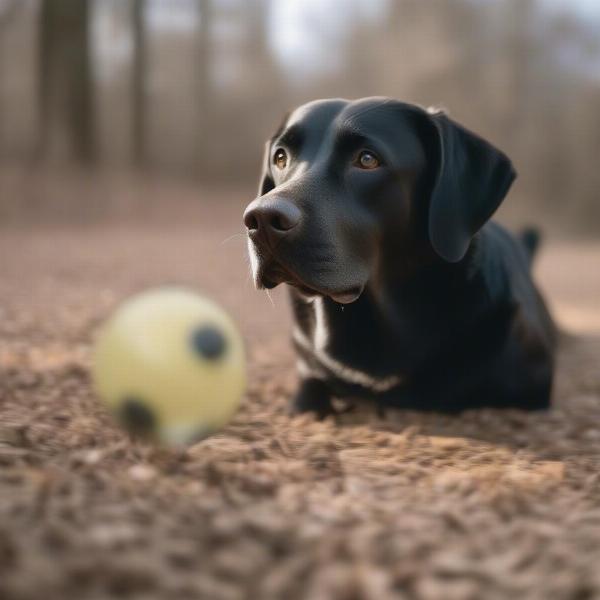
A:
(266, 183)
(472, 178)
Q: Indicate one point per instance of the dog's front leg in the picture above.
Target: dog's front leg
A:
(313, 395)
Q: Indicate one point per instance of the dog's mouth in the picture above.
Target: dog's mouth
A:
(276, 274)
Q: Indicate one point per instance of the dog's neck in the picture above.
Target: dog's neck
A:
(414, 303)
(425, 284)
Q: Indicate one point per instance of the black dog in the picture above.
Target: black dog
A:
(375, 212)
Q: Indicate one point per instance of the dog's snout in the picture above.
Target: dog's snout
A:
(272, 218)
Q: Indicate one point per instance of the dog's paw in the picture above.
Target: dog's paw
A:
(313, 396)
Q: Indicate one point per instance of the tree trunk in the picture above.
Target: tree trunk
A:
(138, 108)
(204, 88)
(65, 90)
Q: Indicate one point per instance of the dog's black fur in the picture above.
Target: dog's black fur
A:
(401, 289)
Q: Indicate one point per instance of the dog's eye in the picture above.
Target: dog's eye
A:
(367, 160)
(280, 159)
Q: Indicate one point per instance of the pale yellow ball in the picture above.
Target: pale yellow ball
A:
(170, 363)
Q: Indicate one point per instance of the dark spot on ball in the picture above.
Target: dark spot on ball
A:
(137, 417)
(209, 342)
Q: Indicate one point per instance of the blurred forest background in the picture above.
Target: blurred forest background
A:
(189, 89)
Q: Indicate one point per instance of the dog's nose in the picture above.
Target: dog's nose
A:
(271, 218)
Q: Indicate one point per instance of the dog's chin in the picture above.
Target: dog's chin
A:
(345, 295)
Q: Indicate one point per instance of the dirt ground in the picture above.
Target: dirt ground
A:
(484, 505)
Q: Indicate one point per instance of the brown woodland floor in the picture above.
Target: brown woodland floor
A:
(485, 505)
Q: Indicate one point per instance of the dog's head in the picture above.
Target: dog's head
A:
(350, 188)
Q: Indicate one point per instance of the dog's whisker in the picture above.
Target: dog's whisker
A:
(235, 235)
(270, 298)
